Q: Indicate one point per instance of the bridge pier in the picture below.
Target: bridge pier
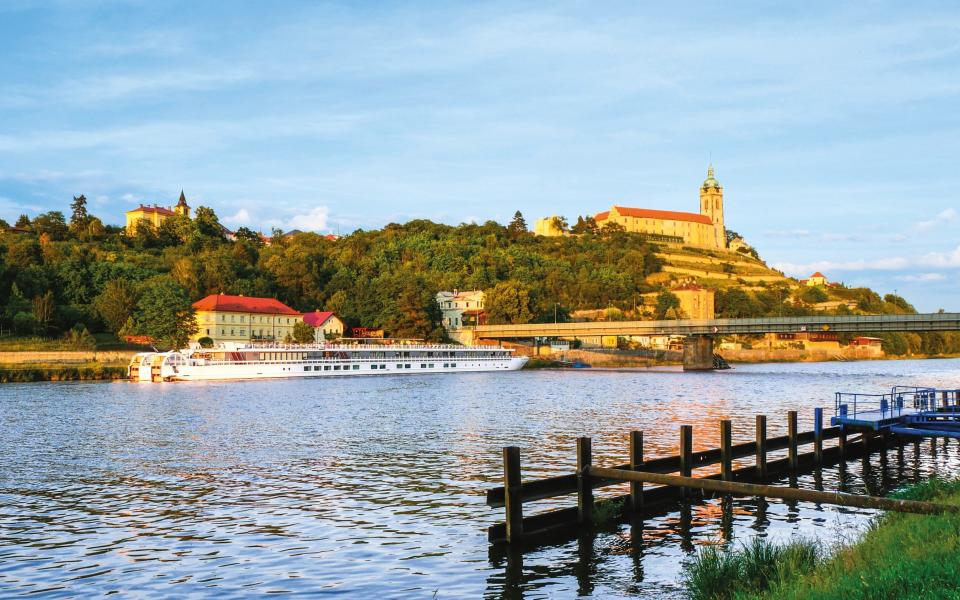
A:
(698, 353)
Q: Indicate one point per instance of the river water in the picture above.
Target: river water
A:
(373, 486)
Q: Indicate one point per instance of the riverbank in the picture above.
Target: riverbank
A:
(28, 373)
(900, 556)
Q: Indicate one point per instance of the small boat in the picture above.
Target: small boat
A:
(270, 361)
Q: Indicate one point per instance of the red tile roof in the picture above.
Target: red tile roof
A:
(602, 216)
(225, 303)
(153, 209)
(316, 318)
(651, 213)
(817, 274)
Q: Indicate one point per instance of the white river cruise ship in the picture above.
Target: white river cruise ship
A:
(266, 361)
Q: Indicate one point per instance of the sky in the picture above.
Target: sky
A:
(833, 127)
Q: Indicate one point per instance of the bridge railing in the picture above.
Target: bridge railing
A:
(901, 399)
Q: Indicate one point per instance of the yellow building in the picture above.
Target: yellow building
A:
(703, 230)
(155, 215)
(547, 226)
(224, 318)
(695, 302)
(326, 325)
(815, 280)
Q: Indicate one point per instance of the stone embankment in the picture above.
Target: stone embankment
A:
(67, 357)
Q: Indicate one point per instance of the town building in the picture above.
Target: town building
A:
(225, 318)
(704, 229)
(326, 325)
(817, 279)
(462, 311)
(695, 302)
(547, 227)
(155, 215)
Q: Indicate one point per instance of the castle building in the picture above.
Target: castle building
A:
(155, 215)
(462, 311)
(703, 230)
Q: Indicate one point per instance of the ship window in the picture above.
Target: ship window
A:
(306, 368)
(453, 364)
(383, 366)
(326, 367)
(356, 367)
(336, 367)
(430, 365)
(423, 365)
(407, 365)
(399, 366)
(374, 367)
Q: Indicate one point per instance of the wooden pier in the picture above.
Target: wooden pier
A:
(672, 477)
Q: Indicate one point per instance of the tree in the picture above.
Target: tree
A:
(814, 295)
(43, 311)
(207, 224)
(584, 225)
(248, 235)
(4, 224)
(115, 304)
(164, 312)
(303, 333)
(507, 302)
(51, 223)
(518, 226)
(23, 222)
(668, 306)
(79, 216)
(559, 223)
(80, 338)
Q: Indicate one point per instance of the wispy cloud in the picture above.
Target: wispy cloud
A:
(923, 277)
(805, 269)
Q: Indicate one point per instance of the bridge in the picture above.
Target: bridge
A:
(698, 350)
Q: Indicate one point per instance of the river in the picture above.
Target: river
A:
(373, 486)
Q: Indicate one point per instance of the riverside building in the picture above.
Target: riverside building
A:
(225, 318)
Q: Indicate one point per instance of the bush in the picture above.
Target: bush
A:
(24, 323)
(205, 342)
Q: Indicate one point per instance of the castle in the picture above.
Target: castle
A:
(155, 215)
(703, 230)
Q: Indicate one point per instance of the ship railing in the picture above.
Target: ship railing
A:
(372, 347)
(341, 360)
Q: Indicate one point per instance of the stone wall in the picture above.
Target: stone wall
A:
(68, 357)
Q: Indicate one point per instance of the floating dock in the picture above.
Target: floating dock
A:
(911, 411)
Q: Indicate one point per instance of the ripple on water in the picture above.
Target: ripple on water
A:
(374, 486)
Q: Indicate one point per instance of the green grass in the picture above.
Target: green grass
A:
(900, 556)
(105, 341)
(85, 372)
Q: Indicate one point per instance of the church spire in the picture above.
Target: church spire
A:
(710, 181)
(183, 199)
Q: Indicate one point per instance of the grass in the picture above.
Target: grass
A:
(900, 556)
(85, 372)
(104, 341)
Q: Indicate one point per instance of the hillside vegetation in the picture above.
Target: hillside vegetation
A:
(70, 278)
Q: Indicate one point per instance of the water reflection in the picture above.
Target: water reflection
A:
(374, 486)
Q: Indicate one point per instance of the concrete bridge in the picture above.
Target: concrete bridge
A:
(698, 348)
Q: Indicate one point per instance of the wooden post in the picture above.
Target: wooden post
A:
(761, 446)
(584, 488)
(792, 438)
(726, 452)
(818, 435)
(636, 462)
(686, 453)
(842, 441)
(513, 501)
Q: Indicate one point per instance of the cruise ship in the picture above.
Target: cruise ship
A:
(269, 361)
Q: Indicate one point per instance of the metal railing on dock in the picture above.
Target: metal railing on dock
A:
(735, 481)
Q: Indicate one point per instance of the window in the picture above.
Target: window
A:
(399, 366)
(326, 367)
(430, 365)
(336, 367)
(231, 332)
(208, 332)
(356, 367)
(306, 368)
(374, 366)
(222, 332)
(243, 332)
(423, 365)
(407, 366)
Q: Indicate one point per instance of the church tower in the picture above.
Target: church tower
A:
(711, 205)
(181, 208)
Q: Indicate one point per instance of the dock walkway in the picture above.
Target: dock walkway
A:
(918, 411)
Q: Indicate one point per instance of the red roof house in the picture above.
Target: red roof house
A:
(317, 318)
(244, 304)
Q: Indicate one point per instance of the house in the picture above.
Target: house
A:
(462, 311)
(326, 325)
(695, 302)
(817, 279)
(155, 215)
(226, 318)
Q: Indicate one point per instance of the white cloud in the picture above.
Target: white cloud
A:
(793, 233)
(241, 217)
(941, 259)
(948, 215)
(315, 220)
(923, 277)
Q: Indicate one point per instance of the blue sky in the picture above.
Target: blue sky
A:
(833, 128)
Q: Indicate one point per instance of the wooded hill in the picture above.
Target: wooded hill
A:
(67, 277)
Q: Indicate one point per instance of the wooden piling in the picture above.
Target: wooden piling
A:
(761, 446)
(636, 463)
(514, 501)
(726, 450)
(772, 491)
(584, 485)
(686, 451)
(842, 441)
(792, 439)
(818, 435)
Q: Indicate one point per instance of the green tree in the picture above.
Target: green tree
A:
(303, 333)
(51, 223)
(584, 225)
(560, 223)
(23, 222)
(115, 304)
(814, 295)
(164, 312)
(248, 235)
(207, 224)
(79, 217)
(507, 302)
(518, 226)
(43, 308)
(668, 306)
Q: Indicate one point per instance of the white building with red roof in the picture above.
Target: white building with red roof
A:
(226, 318)
(816, 279)
(326, 325)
